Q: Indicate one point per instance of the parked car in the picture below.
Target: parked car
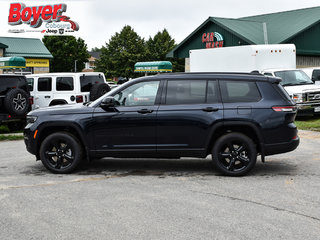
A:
(313, 74)
(51, 89)
(233, 117)
(14, 100)
(300, 88)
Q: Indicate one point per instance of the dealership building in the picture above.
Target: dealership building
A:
(26, 55)
(300, 27)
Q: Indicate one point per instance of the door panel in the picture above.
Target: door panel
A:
(131, 125)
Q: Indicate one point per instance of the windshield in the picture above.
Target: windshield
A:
(293, 77)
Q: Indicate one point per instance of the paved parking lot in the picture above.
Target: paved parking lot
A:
(161, 199)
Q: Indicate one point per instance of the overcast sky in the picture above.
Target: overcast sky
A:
(100, 19)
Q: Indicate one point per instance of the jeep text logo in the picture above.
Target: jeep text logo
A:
(34, 16)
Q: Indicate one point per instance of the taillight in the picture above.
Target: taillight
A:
(79, 99)
(285, 109)
(31, 100)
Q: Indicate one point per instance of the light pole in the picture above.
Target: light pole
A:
(75, 65)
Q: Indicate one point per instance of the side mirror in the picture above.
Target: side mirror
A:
(108, 103)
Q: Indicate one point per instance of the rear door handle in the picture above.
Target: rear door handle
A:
(46, 96)
(210, 109)
(144, 111)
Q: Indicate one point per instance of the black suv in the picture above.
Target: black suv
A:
(14, 97)
(234, 117)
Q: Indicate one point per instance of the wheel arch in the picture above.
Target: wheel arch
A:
(75, 130)
(247, 128)
(58, 102)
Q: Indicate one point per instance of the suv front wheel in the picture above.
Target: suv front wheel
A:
(234, 154)
(61, 152)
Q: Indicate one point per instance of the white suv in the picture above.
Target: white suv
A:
(51, 89)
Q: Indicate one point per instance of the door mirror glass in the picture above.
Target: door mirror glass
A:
(108, 103)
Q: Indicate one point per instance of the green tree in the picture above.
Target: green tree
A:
(65, 51)
(120, 54)
(158, 47)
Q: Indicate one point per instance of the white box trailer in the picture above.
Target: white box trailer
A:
(243, 58)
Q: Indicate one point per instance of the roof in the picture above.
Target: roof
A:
(3, 45)
(284, 25)
(25, 47)
(95, 54)
(280, 26)
(157, 66)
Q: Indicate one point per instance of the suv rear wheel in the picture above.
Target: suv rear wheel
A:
(234, 154)
(61, 152)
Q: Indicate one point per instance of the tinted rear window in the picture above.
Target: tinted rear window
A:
(30, 83)
(239, 91)
(88, 81)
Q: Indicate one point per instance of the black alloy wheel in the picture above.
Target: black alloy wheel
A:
(61, 152)
(234, 154)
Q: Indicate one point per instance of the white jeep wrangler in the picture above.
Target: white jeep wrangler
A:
(51, 89)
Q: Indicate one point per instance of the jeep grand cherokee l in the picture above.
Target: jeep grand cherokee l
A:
(233, 117)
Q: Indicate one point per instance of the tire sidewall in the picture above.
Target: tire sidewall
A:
(9, 104)
(76, 149)
(232, 137)
(97, 90)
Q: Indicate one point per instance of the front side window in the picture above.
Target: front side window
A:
(64, 83)
(186, 92)
(239, 91)
(140, 94)
(44, 84)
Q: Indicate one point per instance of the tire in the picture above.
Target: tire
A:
(17, 102)
(234, 154)
(98, 90)
(61, 152)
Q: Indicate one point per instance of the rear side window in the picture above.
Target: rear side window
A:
(44, 84)
(87, 82)
(239, 91)
(30, 83)
(186, 92)
(64, 83)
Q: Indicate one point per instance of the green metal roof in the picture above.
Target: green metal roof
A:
(163, 66)
(280, 26)
(12, 62)
(25, 47)
(284, 25)
(3, 46)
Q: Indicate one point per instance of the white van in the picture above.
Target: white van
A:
(51, 89)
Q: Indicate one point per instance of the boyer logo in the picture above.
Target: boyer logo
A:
(35, 16)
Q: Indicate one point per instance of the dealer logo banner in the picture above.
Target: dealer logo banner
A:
(56, 22)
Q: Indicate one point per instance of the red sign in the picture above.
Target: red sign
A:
(212, 39)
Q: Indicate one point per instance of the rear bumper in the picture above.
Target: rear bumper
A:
(271, 149)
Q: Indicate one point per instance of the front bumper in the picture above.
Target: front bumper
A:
(30, 141)
(308, 108)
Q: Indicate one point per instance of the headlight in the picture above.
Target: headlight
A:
(298, 97)
(31, 119)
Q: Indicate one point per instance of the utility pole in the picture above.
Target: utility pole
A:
(75, 65)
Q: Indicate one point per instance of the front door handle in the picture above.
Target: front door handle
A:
(210, 109)
(144, 111)
(46, 96)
